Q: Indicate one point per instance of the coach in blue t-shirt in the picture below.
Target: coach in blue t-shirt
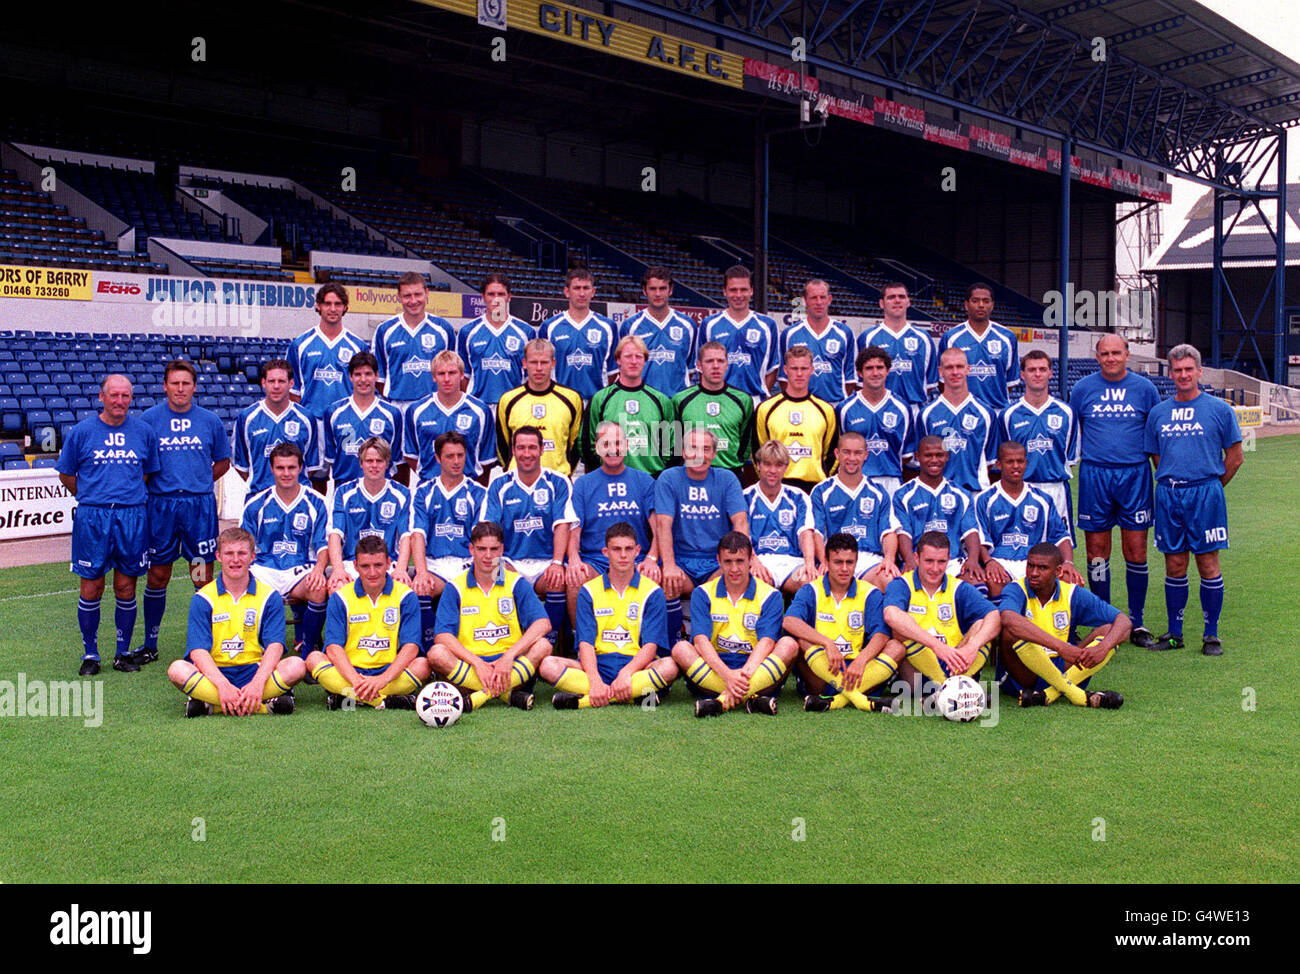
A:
(1115, 475)
(182, 508)
(1196, 443)
(695, 505)
(104, 464)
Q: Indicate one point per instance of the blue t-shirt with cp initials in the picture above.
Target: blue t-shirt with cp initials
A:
(110, 462)
(1190, 437)
(1113, 417)
(189, 443)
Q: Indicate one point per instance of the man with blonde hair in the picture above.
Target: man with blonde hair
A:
(450, 410)
(780, 524)
(553, 409)
(645, 414)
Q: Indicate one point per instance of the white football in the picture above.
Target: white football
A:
(439, 705)
(961, 698)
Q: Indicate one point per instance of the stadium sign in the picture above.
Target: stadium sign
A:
(620, 38)
(33, 504)
(50, 283)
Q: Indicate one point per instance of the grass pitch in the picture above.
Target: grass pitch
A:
(1187, 783)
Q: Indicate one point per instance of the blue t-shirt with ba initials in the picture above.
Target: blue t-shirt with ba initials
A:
(189, 443)
(701, 509)
(110, 462)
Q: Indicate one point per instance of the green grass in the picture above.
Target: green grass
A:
(1191, 787)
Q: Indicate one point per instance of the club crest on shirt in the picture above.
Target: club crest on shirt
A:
(948, 503)
(995, 346)
(1031, 515)
(464, 421)
(390, 616)
(541, 496)
(855, 620)
(675, 333)
(593, 335)
(632, 406)
(866, 505)
(291, 427)
(785, 518)
(376, 426)
(633, 610)
(387, 509)
(969, 422)
(796, 417)
(512, 344)
(462, 507)
(345, 356)
(751, 335)
(427, 342)
(1054, 423)
(1060, 620)
(539, 410)
(832, 346)
(505, 606)
(713, 408)
(300, 521)
(750, 620)
(889, 420)
(945, 613)
(910, 344)
(250, 618)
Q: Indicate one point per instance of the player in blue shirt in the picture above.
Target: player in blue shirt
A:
(357, 418)
(848, 503)
(370, 507)
(289, 522)
(1012, 518)
(1042, 656)
(780, 524)
(669, 335)
(320, 357)
(492, 345)
(584, 341)
(104, 463)
(182, 510)
(613, 493)
(991, 350)
(273, 420)
(531, 504)
(750, 339)
(931, 503)
(1196, 442)
(885, 421)
(968, 428)
(914, 375)
(405, 344)
(831, 342)
(444, 510)
(1115, 474)
(1049, 430)
(695, 505)
(450, 410)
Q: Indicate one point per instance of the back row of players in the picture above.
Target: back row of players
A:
(537, 429)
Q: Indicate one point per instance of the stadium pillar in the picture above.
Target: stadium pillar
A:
(761, 174)
(1216, 286)
(1063, 276)
(1279, 270)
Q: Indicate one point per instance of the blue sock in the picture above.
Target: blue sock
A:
(297, 626)
(427, 617)
(982, 589)
(1099, 578)
(1135, 579)
(674, 621)
(1211, 603)
(155, 605)
(313, 623)
(556, 611)
(88, 621)
(124, 620)
(1175, 603)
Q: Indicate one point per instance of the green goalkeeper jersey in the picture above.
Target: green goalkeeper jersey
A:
(728, 414)
(646, 416)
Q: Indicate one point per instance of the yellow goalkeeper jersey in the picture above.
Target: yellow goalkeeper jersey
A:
(556, 411)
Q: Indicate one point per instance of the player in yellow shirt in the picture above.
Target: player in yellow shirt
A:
(622, 623)
(234, 650)
(736, 652)
(797, 419)
(372, 638)
(841, 629)
(1038, 662)
(944, 624)
(491, 630)
(554, 409)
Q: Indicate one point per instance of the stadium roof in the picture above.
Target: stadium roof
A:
(1249, 244)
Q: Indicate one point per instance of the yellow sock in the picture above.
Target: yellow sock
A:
(840, 701)
(400, 685)
(977, 664)
(521, 671)
(769, 672)
(1040, 664)
(702, 675)
(860, 700)
(464, 676)
(573, 680)
(332, 680)
(1076, 675)
(816, 660)
(927, 664)
(879, 670)
(646, 682)
(200, 687)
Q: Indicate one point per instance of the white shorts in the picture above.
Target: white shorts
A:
(1058, 493)
(887, 484)
(867, 560)
(781, 567)
(530, 568)
(447, 567)
(281, 579)
(1016, 569)
(955, 565)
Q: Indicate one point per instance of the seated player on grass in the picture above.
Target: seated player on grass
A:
(491, 630)
(234, 650)
(1040, 614)
(943, 623)
(737, 653)
(372, 638)
(780, 523)
(622, 624)
(842, 635)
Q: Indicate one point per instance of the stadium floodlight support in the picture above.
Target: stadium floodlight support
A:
(1063, 275)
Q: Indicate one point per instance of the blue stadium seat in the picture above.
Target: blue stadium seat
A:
(11, 417)
(45, 460)
(8, 450)
(15, 463)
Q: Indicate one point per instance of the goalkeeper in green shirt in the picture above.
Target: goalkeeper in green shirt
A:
(721, 409)
(646, 415)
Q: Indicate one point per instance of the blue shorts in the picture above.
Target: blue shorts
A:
(104, 537)
(1009, 685)
(182, 526)
(370, 670)
(698, 570)
(732, 661)
(1191, 517)
(239, 676)
(1115, 495)
(597, 561)
(609, 664)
